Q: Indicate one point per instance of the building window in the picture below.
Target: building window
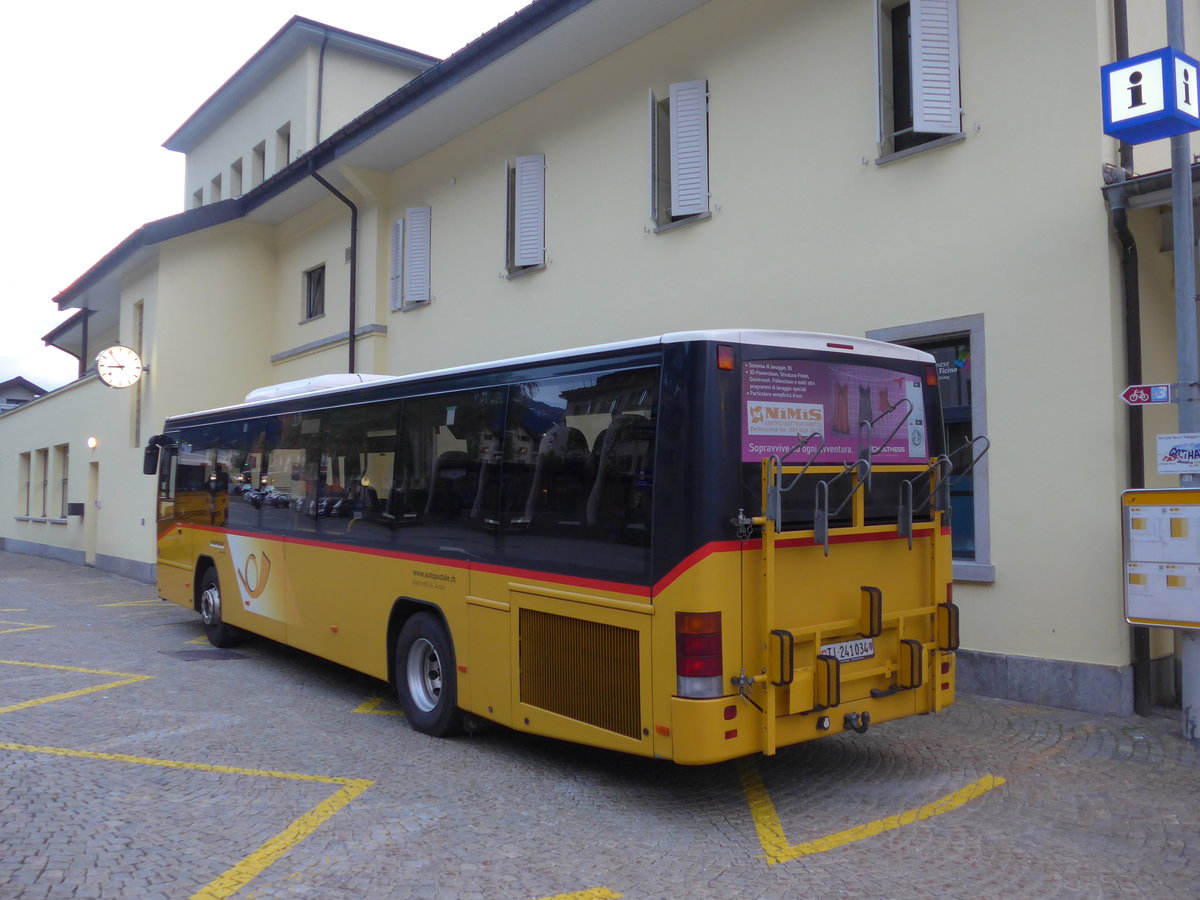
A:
(411, 242)
(24, 494)
(958, 347)
(258, 164)
(525, 244)
(41, 478)
(235, 178)
(919, 98)
(62, 454)
(679, 154)
(197, 198)
(283, 146)
(139, 345)
(215, 189)
(314, 293)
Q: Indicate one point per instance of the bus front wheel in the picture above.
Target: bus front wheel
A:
(218, 633)
(426, 679)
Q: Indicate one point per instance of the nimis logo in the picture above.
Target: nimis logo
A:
(253, 577)
(784, 418)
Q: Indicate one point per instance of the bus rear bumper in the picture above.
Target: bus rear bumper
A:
(709, 731)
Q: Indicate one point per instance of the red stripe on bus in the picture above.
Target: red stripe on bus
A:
(688, 562)
(638, 590)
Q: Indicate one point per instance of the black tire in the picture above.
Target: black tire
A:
(426, 677)
(218, 633)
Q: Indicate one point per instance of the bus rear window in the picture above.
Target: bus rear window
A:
(834, 410)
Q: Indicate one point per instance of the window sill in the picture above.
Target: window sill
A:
(58, 521)
(983, 573)
(690, 220)
(312, 319)
(416, 304)
(524, 270)
(937, 144)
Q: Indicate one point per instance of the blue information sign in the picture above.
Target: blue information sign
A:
(1152, 96)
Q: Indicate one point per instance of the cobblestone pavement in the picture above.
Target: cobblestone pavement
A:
(137, 761)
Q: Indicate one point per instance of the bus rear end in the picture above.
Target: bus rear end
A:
(826, 606)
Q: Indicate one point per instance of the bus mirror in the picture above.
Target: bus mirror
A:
(150, 461)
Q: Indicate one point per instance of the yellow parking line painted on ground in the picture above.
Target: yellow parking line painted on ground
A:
(200, 640)
(598, 893)
(242, 873)
(134, 603)
(21, 626)
(777, 848)
(125, 678)
(370, 708)
(14, 610)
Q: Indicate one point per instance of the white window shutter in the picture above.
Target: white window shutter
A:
(653, 157)
(935, 88)
(397, 281)
(529, 212)
(689, 148)
(416, 255)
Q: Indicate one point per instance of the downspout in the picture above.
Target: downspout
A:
(83, 343)
(353, 259)
(1143, 693)
(320, 86)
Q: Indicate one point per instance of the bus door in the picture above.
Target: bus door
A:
(175, 559)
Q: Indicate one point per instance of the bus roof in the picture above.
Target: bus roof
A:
(790, 340)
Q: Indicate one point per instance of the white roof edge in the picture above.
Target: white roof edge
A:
(790, 340)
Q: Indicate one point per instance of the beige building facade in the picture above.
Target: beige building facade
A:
(600, 171)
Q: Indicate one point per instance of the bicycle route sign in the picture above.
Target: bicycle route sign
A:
(1145, 394)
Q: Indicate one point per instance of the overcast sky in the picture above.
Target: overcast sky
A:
(90, 92)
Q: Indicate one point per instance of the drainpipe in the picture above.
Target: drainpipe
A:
(320, 85)
(1143, 693)
(83, 343)
(353, 259)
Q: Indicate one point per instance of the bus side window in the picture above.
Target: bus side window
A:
(358, 461)
(454, 443)
(588, 470)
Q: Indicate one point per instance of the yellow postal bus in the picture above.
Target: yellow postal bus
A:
(695, 546)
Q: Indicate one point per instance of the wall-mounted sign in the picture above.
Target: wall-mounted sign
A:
(1144, 394)
(1162, 557)
(1152, 96)
(1179, 454)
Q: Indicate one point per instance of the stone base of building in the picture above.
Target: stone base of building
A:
(1107, 690)
(126, 568)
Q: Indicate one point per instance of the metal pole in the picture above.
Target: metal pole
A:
(1188, 351)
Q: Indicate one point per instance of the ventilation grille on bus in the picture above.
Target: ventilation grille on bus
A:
(583, 670)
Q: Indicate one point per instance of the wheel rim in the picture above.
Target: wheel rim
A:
(424, 671)
(210, 605)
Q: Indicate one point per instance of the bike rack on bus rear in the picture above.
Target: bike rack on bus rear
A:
(939, 473)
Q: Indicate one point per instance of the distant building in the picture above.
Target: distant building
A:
(17, 392)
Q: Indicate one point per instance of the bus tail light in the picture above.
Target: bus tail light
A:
(931, 376)
(724, 358)
(698, 666)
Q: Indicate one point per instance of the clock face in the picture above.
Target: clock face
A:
(118, 366)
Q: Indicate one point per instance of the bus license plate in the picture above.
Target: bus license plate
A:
(848, 651)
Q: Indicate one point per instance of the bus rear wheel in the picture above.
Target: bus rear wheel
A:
(218, 633)
(426, 678)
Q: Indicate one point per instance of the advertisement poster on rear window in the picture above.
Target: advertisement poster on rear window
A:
(786, 401)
